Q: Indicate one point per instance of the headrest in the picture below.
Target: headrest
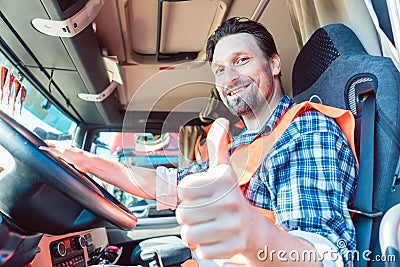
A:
(333, 62)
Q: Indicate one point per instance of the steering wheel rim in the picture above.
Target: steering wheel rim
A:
(24, 145)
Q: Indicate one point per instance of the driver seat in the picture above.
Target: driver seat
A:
(334, 68)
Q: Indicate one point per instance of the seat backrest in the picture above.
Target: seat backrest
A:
(334, 68)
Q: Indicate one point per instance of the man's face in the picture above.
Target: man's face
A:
(243, 75)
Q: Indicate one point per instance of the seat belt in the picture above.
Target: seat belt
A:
(364, 213)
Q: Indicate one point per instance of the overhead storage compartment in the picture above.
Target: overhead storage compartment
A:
(184, 31)
(152, 30)
(63, 67)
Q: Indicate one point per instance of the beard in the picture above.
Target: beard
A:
(247, 101)
(241, 106)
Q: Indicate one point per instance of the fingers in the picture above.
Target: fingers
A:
(199, 210)
(51, 143)
(217, 142)
(225, 250)
(201, 185)
(71, 155)
(201, 234)
(53, 150)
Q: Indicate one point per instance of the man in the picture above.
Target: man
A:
(307, 179)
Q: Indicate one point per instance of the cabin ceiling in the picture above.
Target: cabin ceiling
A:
(128, 30)
(161, 60)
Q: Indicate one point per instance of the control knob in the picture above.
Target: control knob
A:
(59, 249)
(80, 242)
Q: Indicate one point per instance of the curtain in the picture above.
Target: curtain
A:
(309, 15)
(187, 139)
(188, 134)
(388, 49)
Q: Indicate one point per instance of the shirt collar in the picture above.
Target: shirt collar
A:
(246, 138)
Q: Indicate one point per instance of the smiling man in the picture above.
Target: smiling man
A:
(307, 179)
(244, 77)
(296, 202)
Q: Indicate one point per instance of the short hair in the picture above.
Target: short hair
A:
(236, 25)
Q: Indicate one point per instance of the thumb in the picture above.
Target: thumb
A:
(217, 142)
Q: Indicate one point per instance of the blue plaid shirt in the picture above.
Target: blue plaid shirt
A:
(308, 178)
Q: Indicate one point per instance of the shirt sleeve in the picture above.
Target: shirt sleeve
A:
(167, 180)
(166, 188)
(194, 167)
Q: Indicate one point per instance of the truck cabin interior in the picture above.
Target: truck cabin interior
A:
(139, 67)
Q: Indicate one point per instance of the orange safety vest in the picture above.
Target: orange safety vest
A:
(246, 160)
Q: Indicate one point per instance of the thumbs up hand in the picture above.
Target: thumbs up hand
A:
(213, 212)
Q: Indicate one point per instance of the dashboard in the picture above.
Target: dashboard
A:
(78, 249)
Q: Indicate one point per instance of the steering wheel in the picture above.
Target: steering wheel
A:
(37, 171)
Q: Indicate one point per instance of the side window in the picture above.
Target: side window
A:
(138, 149)
(21, 100)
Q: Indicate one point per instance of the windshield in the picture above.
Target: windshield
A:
(138, 149)
(27, 105)
(142, 149)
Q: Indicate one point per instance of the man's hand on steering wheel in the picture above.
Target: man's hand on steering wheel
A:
(70, 154)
